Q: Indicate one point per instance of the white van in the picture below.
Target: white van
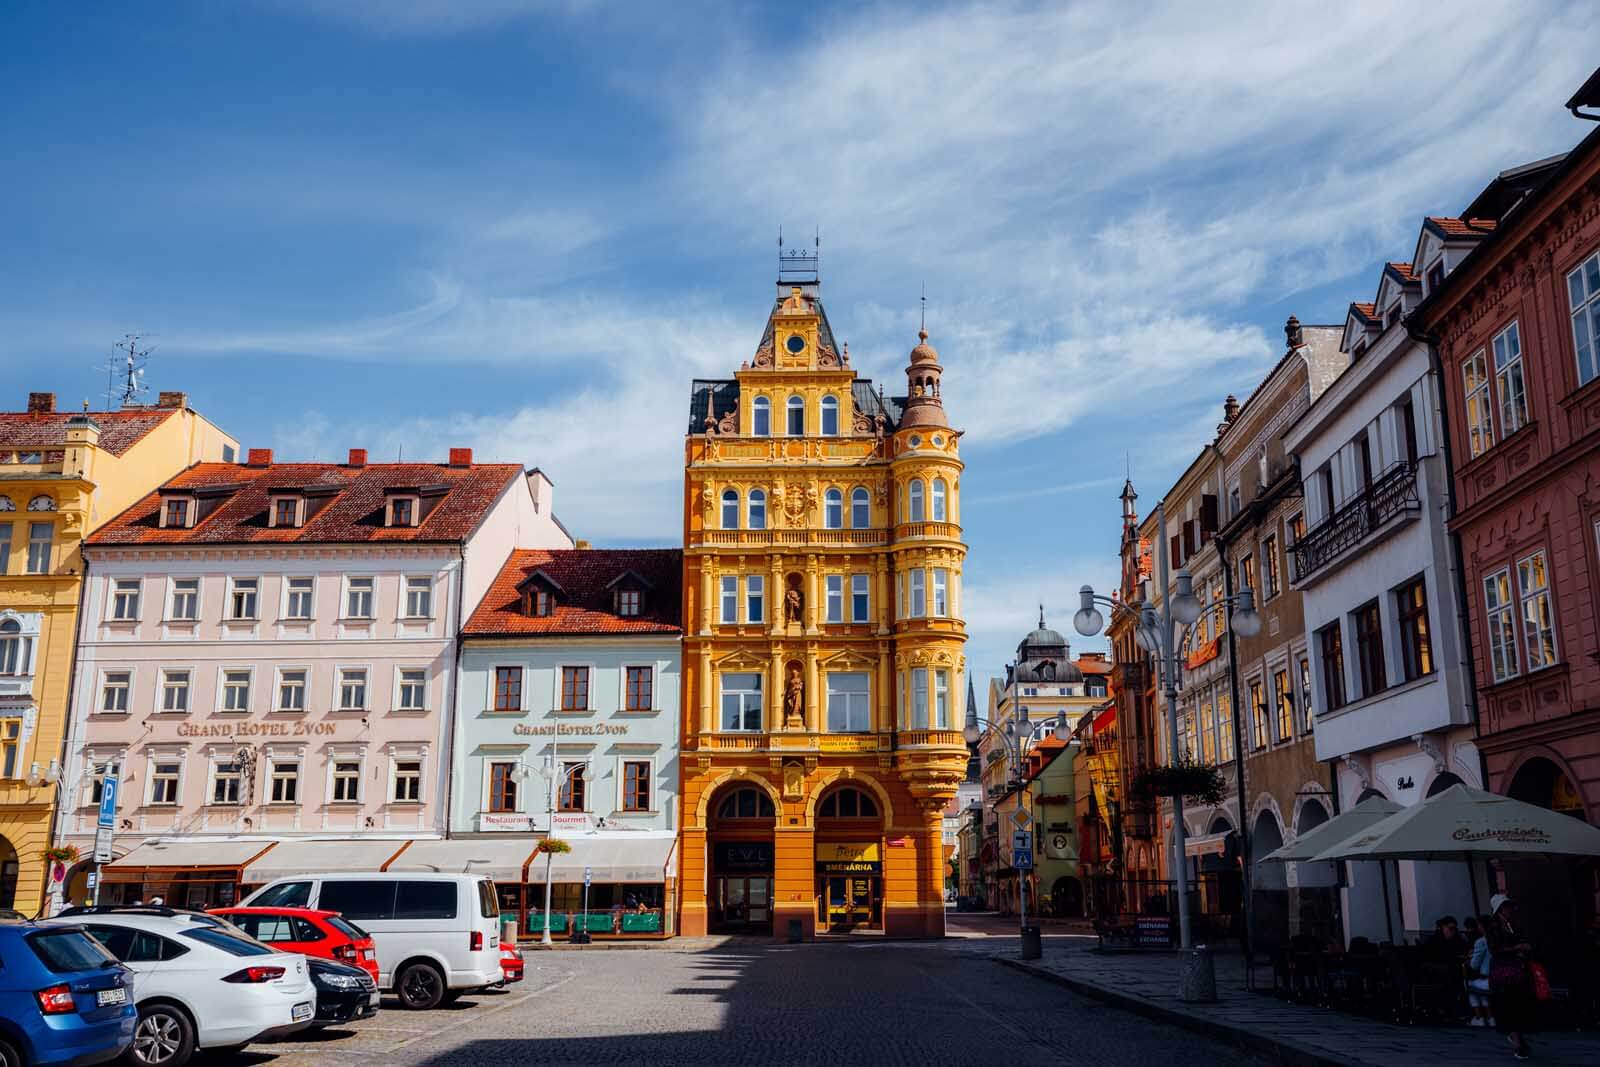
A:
(437, 935)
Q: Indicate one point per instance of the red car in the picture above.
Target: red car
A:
(510, 961)
(309, 932)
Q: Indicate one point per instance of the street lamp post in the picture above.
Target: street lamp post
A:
(1156, 636)
(1018, 735)
(551, 776)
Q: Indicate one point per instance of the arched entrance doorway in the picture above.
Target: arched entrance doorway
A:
(741, 822)
(1066, 897)
(1443, 782)
(849, 860)
(10, 868)
(1557, 896)
(1269, 886)
(1313, 813)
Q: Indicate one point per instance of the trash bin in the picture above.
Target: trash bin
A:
(1032, 947)
(797, 931)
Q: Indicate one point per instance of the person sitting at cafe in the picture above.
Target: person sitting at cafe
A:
(1477, 971)
(1446, 944)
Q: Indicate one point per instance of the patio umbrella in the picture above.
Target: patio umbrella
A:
(1463, 823)
(1345, 824)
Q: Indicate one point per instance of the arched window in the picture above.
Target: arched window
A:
(746, 803)
(730, 509)
(914, 501)
(830, 416)
(848, 804)
(761, 417)
(757, 518)
(860, 508)
(14, 648)
(938, 500)
(833, 509)
(797, 417)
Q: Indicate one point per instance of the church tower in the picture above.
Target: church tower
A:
(823, 637)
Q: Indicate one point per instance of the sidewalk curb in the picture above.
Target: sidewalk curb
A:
(1289, 1053)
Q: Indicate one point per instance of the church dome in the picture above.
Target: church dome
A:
(924, 352)
(1045, 656)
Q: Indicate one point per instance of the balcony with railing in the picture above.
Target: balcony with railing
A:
(793, 538)
(1391, 497)
(906, 531)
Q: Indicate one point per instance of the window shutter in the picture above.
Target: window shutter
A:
(1176, 551)
(1188, 538)
(1208, 514)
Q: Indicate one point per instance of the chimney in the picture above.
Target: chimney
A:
(580, 543)
(172, 400)
(258, 457)
(41, 403)
(461, 457)
(358, 457)
(1230, 408)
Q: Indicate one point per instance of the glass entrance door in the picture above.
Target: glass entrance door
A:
(849, 902)
(744, 902)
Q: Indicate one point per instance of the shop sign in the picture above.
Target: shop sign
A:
(861, 858)
(571, 729)
(732, 857)
(1154, 931)
(571, 822)
(500, 820)
(257, 729)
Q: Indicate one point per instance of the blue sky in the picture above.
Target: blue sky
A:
(524, 226)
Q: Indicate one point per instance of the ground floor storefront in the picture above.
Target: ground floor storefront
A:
(25, 873)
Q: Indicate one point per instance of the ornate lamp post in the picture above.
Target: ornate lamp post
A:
(1156, 635)
(1018, 735)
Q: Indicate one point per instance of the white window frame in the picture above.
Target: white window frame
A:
(939, 590)
(940, 711)
(409, 592)
(1509, 381)
(1480, 428)
(919, 593)
(397, 758)
(1499, 624)
(338, 687)
(277, 687)
(1583, 302)
(730, 508)
(193, 597)
(755, 519)
(915, 510)
(334, 759)
(791, 406)
(833, 509)
(755, 598)
(155, 758)
(125, 688)
(286, 611)
(919, 699)
(621, 772)
(400, 686)
(833, 597)
(937, 493)
(96, 762)
(127, 596)
(1533, 629)
(830, 412)
(33, 564)
(413, 507)
(761, 411)
(224, 687)
(350, 581)
(188, 690)
(231, 605)
(273, 777)
(760, 692)
(849, 695)
(217, 761)
(728, 601)
(860, 598)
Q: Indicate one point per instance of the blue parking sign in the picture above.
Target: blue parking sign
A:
(108, 801)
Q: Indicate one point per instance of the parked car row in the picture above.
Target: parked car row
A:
(156, 984)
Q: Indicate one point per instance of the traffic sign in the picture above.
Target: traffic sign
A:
(1022, 859)
(102, 844)
(587, 871)
(1020, 818)
(108, 801)
(1022, 839)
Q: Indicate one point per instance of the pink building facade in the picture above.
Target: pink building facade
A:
(268, 654)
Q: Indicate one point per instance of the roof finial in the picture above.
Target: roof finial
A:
(924, 327)
(1041, 616)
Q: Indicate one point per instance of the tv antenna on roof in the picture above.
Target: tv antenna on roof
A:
(129, 362)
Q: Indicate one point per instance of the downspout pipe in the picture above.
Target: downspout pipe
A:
(1223, 544)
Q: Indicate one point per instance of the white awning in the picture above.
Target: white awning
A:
(151, 857)
(1206, 844)
(501, 858)
(345, 855)
(616, 857)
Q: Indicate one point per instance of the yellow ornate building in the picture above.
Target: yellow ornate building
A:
(62, 474)
(823, 638)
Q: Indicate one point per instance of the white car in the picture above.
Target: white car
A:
(437, 935)
(200, 983)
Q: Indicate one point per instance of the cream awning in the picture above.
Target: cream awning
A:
(1369, 811)
(500, 858)
(153, 859)
(339, 856)
(617, 857)
(1463, 823)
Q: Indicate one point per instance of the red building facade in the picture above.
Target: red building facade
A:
(1514, 331)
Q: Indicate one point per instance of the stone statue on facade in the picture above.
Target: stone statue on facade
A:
(791, 606)
(794, 700)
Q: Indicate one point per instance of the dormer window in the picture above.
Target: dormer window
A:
(403, 511)
(1436, 275)
(628, 591)
(628, 602)
(177, 513)
(539, 592)
(543, 604)
(286, 511)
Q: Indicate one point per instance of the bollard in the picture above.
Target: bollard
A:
(1197, 976)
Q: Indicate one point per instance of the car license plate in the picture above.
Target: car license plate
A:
(111, 996)
(375, 999)
(301, 1012)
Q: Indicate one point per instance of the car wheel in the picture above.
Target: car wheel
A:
(9, 1056)
(421, 987)
(161, 1038)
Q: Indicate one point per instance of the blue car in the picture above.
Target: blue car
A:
(64, 1000)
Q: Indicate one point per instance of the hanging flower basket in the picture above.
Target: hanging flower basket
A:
(552, 846)
(1187, 778)
(63, 854)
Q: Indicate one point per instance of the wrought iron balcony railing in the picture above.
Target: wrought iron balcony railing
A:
(1394, 493)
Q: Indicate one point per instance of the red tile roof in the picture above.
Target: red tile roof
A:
(1462, 227)
(585, 604)
(1094, 665)
(119, 430)
(1405, 270)
(1366, 311)
(354, 514)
